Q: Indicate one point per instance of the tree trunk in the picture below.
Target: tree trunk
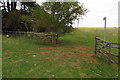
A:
(24, 6)
(15, 5)
(26, 26)
(12, 6)
(8, 6)
(4, 7)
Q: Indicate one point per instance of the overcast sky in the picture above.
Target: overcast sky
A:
(97, 10)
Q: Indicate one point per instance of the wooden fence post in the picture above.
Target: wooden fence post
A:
(95, 45)
(53, 39)
(109, 54)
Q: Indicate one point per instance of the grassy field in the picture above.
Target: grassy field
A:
(73, 57)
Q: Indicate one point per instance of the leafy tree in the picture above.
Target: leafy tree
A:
(12, 21)
(42, 21)
(65, 12)
(26, 20)
(11, 14)
(56, 17)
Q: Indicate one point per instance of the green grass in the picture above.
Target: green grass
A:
(86, 36)
(73, 57)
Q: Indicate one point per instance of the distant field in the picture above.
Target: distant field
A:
(86, 36)
(73, 57)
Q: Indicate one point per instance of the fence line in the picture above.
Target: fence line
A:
(105, 49)
(48, 38)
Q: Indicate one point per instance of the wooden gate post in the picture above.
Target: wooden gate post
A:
(95, 45)
(109, 54)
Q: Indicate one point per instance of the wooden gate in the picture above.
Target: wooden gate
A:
(107, 49)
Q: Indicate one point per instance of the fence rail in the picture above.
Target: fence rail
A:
(104, 49)
(47, 38)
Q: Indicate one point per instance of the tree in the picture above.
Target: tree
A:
(26, 20)
(42, 21)
(12, 21)
(25, 7)
(66, 12)
(56, 17)
(12, 6)
(9, 11)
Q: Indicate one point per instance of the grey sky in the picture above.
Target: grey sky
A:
(98, 9)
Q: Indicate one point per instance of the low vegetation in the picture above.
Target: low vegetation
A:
(72, 57)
